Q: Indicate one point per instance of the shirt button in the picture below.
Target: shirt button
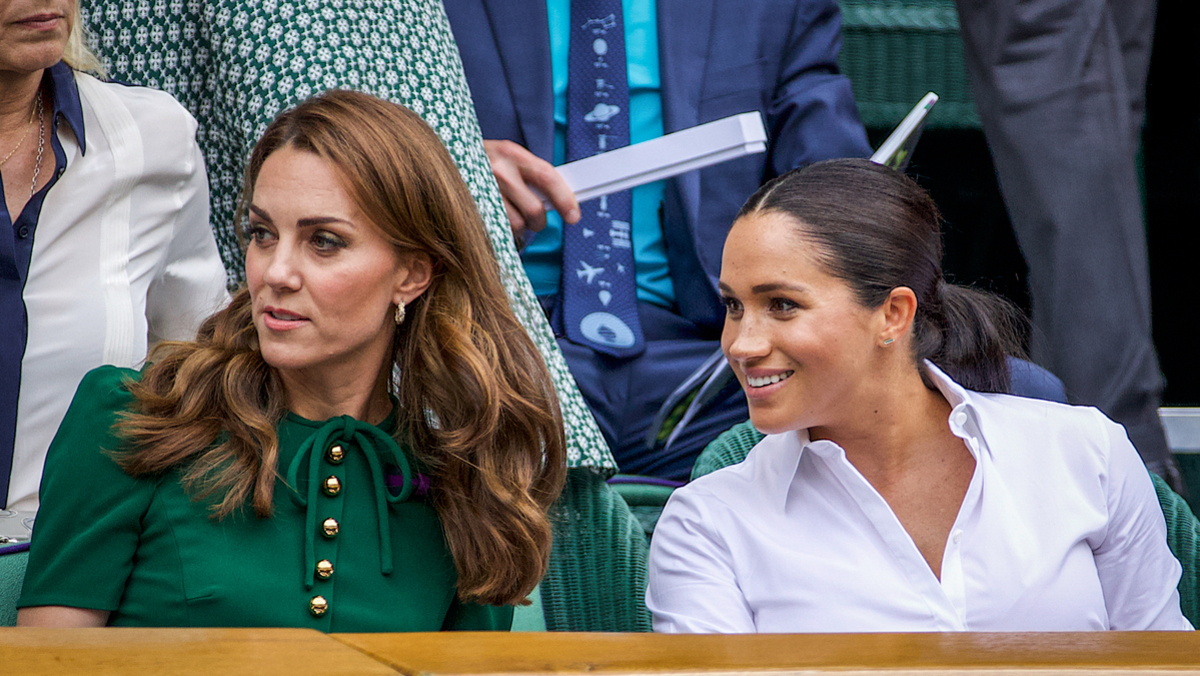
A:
(332, 486)
(318, 605)
(960, 418)
(956, 536)
(23, 231)
(324, 569)
(329, 528)
(336, 454)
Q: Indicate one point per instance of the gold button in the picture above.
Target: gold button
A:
(332, 486)
(336, 454)
(329, 527)
(324, 569)
(318, 605)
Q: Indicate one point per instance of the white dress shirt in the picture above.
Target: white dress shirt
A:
(1060, 530)
(123, 257)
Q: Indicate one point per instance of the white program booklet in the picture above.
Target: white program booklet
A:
(666, 156)
(897, 150)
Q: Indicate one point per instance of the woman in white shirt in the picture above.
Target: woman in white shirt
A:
(107, 246)
(896, 490)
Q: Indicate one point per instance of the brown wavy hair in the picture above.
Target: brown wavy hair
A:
(477, 405)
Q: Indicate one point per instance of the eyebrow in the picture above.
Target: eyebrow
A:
(303, 222)
(766, 288)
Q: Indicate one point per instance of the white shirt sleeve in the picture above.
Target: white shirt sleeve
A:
(693, 587)
(1138, 573)
(191, 282)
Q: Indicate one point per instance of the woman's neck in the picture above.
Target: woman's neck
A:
(896, 420)
(18, 92)
(319, 398)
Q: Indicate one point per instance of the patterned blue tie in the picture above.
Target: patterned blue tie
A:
(599, 291)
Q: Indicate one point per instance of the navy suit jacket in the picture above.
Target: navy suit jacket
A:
(716, 58)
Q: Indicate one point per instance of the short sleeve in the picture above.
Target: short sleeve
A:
(693, 587)
(476, 617)
(1138, 573)
(87, 528)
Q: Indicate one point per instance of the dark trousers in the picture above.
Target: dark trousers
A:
(624, 395)
(1060, 87)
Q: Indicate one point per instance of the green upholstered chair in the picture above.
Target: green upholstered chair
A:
(894, 51)
(646, 497)
(1183, 530)
(235, 65)
(12, 575)
(1183, 536)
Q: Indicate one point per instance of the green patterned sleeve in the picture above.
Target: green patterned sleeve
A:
(87, 527)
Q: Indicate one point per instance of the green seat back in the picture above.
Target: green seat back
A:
(1183, 537)
(12, 577)
(729, 448)
(894, 51)
(236, 64)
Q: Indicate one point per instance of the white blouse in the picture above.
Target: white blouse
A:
(1060, 530)
(123, 257)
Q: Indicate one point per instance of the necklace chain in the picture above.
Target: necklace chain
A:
(28, 126)
(37, 165)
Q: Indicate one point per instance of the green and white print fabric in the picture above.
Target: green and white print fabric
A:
(235, 64)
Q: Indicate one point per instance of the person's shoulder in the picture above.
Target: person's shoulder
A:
(105, 390)
(153, 110)
(1073, 432)
(109, 378)
(740, 484)
(1014, 408)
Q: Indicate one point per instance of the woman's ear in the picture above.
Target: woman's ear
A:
(412, 277)
(898, 311)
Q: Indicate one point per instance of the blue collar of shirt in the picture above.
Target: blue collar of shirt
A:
(65, 96)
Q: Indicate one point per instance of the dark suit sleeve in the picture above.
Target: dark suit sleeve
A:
(812, 115)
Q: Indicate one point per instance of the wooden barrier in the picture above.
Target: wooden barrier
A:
(780, 654)
(216, 652)
(301, 652)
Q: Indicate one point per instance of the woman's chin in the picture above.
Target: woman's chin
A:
(772, 422)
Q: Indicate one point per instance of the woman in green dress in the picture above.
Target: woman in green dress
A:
(365, 439)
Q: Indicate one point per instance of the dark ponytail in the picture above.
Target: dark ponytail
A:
(876, 229)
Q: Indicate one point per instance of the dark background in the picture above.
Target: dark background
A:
(981, 249)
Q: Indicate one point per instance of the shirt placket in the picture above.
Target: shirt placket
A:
(953, 582)
(905, 554)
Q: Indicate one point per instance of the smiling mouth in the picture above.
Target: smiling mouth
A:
(768, 380)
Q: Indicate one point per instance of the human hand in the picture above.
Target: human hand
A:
(519, 173)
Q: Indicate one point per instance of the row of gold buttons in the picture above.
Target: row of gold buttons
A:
(318, 606)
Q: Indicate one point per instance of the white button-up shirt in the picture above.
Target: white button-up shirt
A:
(1060, 530)
(123, 257)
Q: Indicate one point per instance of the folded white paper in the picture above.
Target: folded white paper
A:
(666, 156)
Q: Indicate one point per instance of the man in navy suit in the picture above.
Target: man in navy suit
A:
(688, 62)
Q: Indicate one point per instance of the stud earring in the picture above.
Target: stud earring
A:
(888, 341)
(399, 314)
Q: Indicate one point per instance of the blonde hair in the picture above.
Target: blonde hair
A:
(77, 54)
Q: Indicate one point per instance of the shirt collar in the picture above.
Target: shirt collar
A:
(65, 96)
(963, 407)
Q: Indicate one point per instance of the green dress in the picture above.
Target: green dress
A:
(352, 545)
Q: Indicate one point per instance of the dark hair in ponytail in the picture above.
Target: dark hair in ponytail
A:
(876, 229)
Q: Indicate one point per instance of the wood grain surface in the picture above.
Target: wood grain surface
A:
(484, 653)
(220, 652)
